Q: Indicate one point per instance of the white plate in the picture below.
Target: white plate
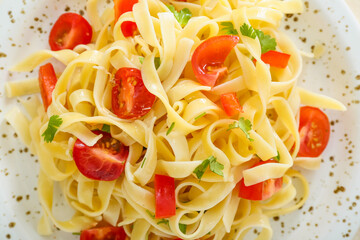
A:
(332, 210)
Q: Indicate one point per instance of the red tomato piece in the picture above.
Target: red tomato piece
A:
(70, 30)
(47, 82)
(314, 129)
(275, 59)
(164, 196)
(208, 58)
(130, 98)
(262, 190)
(104, 233)
(103, 161)
(128, 28)
(230, 104)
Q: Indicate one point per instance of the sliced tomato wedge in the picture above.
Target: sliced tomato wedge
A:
(262, 190)
(128, 28)
(70, 30)
(314, 129)
(130, 98)
(208, 58)
(103, 161)
(165, 204)
(275, 59)
(47, 82)
(104, 233)
(230, 103)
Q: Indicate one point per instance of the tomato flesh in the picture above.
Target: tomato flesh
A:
(314, 129)
(130, 98)
(128, 28)
(262, 190)
(104, 233)
(164, 196)
(103, 161)
(230, 104)
(275, 59)
(70, 30)
(208, 58)
(47, 82)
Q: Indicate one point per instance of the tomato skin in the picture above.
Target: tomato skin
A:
(104, 233)
(208, 58)
(314, 129)
(275, 59)
(130, 98)
(70, 30)
(104, 161)
(47, 82)
(128, 28)
(164, 196)
(262, 190)
(230, 104)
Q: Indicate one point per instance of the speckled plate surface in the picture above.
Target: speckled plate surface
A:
(332, 211)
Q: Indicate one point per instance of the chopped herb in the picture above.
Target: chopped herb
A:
(182, 228)
(248, 31)
(228, 28)
(150, 214)
(210, 232)
(54, 123)
(143, 161)
(215, 167)
(170, 128)
(106, 128)
(76, 233)
(163, 221)
(157, 62)
(245, 125)
(277, 158)
(183, 16)
(141, 59)
(266, 41)
(200, 116)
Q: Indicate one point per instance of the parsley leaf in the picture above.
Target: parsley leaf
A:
(170, 128)
(215, 167)
(76, 233)
(183, 16)
(245, 125)
(157, 62)
(143, 161)
(266, 41)
(54, 123)
(228, 28)
(182, 228)
(277, 158)
(248, 31)
(141, 59)
(106, 128)
(200, 116)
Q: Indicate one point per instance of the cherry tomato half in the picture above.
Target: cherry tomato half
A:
(103, 161)
(130, 98)
(208, 58)
(230, 103)
(47, 82)
(262, 190)
(165, 204)
(314, 129)
(104, 233)
(128, 28)
(70, 30)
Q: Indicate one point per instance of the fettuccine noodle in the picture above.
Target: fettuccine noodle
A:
(210, 208)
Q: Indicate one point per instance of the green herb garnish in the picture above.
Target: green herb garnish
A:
(143, 161)
(215, 167)
(183, 16)
(163, 221)
(266, 41)
(228, 28)
(141, 59)
(182, 228)
(170, 128)
(150, 214)
(200, 116)
(54, 123)
(76, 233)
(157, 62)
(106, 128)
(277, 158)
(245, 125)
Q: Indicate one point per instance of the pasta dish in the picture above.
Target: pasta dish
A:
(171, 119)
